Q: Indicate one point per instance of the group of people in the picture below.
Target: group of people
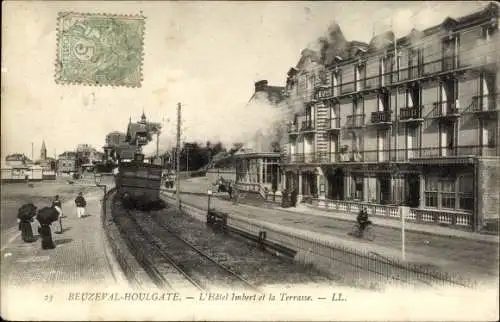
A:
(80, 204)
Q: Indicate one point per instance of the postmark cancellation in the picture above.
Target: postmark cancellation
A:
(99, 49)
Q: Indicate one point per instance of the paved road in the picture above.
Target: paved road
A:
(467, 257)
(14, 195)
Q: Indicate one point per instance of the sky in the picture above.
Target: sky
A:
(206, 55)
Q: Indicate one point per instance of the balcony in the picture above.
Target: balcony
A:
(449, 63)
(453, 152)
(354, 121)
(484, 103)
(307, 127)
(445, 110)
(433, 67)
(381, 117)
(334, 124)
(436, 155)
(372, 82)
(347, 88)
(409, 114)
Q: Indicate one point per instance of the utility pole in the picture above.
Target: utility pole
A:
(187, 159)
(178, 157)
(157, 143)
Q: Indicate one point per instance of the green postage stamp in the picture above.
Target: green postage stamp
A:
(99, 49)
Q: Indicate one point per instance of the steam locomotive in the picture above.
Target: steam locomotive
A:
(138, 184)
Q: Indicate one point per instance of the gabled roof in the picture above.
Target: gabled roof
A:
(133, 129)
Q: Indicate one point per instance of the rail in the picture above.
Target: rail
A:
(394, 77)
(393, 155)
(346, 260)
(455, 218)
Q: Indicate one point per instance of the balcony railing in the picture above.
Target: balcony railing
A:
(444, 109)
(307, 126)
(381, 117)
(372, 82)
(348, 87)
(400, 155)
(484, 103)
(426, 69)
(408, 113)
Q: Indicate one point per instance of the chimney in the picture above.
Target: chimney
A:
(260, 86)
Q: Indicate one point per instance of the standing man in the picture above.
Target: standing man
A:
(80, 205)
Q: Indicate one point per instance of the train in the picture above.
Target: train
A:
(138, 184)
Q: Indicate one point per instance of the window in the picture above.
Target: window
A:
(360, 74)
(357, 187)
(448, 193)
(334, 119)
(465, 196)
(411, 140)
(431, 192)
(335, 83)
(489, 135)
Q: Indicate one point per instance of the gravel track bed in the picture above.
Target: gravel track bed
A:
(156, 265)
(258, 267)
(205, 272)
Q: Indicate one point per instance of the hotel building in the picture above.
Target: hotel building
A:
(410, 121)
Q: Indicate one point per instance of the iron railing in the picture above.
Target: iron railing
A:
(484, 103)
(407, 113)
(385, 155)
(444, 109)
(381, 117)
(445, 64)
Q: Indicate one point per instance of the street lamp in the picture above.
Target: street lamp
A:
(97, 180)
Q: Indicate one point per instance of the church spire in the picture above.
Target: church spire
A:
(43, 151)
(143, 117)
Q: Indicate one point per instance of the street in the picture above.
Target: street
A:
(467, 257)
(41, 194)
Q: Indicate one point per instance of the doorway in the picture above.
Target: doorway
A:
(413, 190)
(385, 190)
(336, 185)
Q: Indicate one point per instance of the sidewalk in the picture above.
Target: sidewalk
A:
(396, 224)
(80, 258)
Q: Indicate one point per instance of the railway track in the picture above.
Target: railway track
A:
(171, 261)
(375, 264)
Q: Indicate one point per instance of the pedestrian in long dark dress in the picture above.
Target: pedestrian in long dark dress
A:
(56, 204)
(25, 216)
(46, 216)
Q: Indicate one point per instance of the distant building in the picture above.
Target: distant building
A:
(67, 162)
(137, 133)
(16, 159)
(115, 138)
